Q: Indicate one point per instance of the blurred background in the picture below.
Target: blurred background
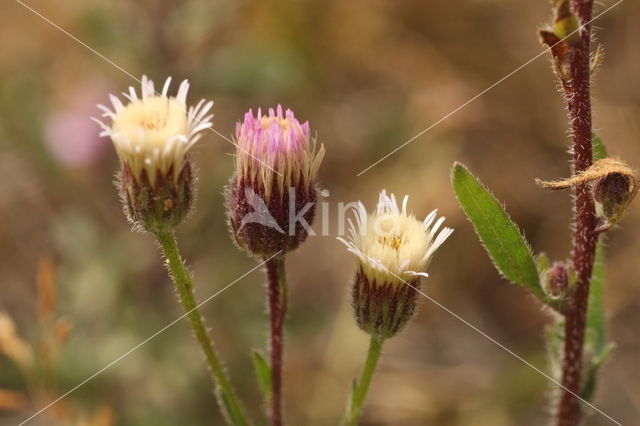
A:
(78, 288)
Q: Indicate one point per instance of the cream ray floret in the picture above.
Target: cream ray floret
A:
(155, 131)
(390, 243)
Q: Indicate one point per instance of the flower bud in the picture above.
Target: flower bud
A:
(566, 26)
(557, 280)
(612, 192)
(393, 251)
(152, 135)
(272, 194)
(614, 184)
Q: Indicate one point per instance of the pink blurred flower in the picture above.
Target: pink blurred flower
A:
(69, 134)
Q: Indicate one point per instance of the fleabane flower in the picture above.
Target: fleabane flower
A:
(393, 250)
(152, 134)
(272, 194)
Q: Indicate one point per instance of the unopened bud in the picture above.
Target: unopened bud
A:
(557, 280)
(272, 195)
(614, 184)
(566, 26)
(613, 192)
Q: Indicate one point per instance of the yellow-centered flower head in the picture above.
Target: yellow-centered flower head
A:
(391, 244)
(153, 133)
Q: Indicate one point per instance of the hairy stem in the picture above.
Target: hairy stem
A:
(276, 294)
(184, 285)
(362, 386)
(579, 104)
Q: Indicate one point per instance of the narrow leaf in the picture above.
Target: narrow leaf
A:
(591, 379)
(598, 148)
(503, 241)
(351, 406)
(555, 345)
(263, 373)
(596, 339)
(233, 416)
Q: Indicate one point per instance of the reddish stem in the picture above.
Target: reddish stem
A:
(276, 314)
(578, 98)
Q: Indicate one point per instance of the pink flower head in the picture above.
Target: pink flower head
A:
(276, 149)
(272, 195)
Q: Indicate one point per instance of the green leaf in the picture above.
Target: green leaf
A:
(234, 417)
(351, 406)
(555, 345)
(596, 338)
(263, 373)
(596, 333)
(591, 380)
(598, 148)
(543, 263)
(503, 241)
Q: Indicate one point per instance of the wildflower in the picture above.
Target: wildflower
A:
(393, 251)
(152, 135)
(272, 194)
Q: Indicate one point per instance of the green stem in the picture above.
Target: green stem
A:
(184, 284)
(361, 387)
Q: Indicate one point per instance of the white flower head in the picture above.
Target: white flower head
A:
(154, 131)
(391, 244)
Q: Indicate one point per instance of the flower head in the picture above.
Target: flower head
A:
(391, 244)
(272, 194)
(152, 135)
(276, 152)
(393, 249)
